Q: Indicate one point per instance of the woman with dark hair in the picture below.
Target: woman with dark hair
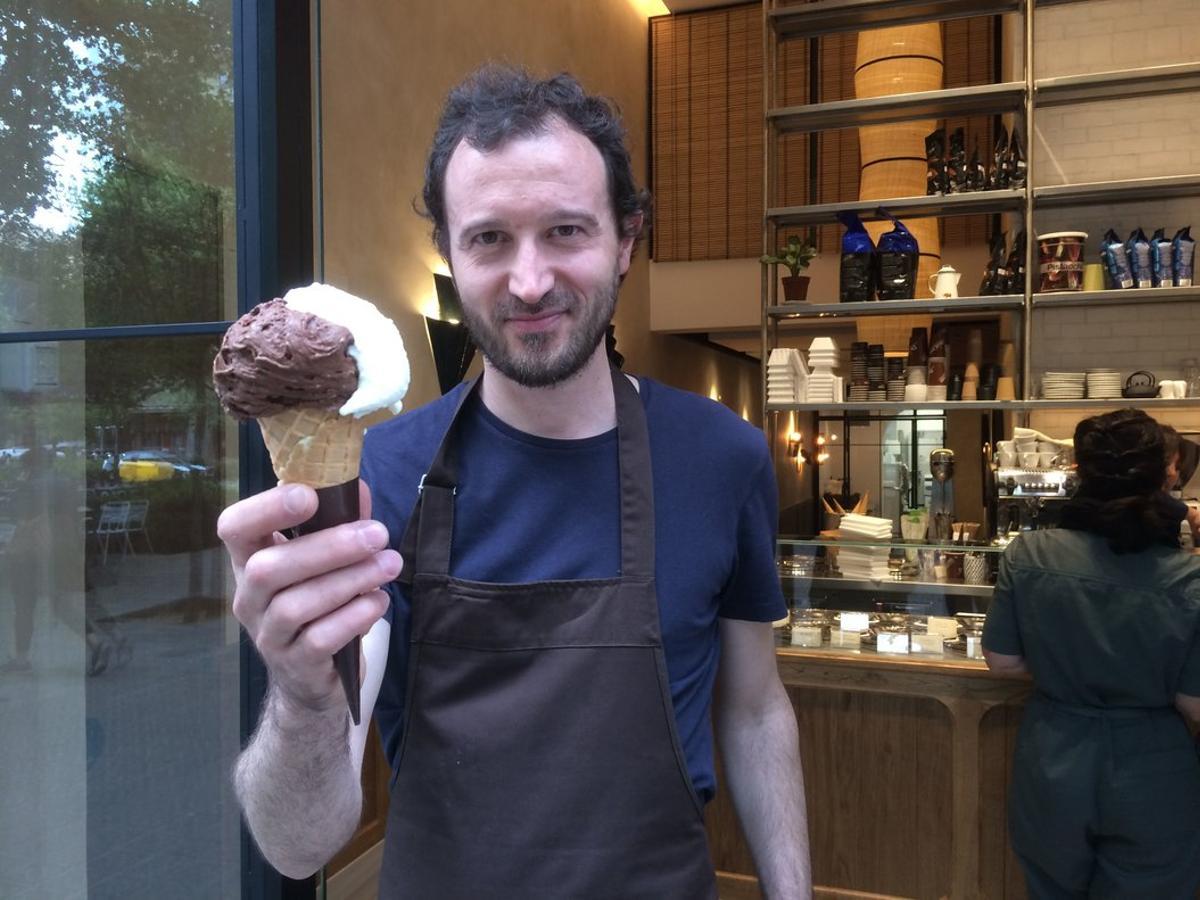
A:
(1104, 613)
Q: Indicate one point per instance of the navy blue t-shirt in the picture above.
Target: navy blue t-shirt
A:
(538, 509)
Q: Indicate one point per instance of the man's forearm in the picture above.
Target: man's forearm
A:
(761, 754)
(298, 786)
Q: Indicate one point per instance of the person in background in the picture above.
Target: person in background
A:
(1181, 457)
(1104, 613)
(587, 557)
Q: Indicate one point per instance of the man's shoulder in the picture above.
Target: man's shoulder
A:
(706, 424)
(403, 446)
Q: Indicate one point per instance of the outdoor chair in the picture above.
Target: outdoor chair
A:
(114, 518)
(135, 523)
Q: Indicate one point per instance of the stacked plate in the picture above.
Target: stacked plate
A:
(786, 376)
(859, 384)
(1104, 384)
(1064, 385)
(875, 367)
(895, 377)
(864, 562)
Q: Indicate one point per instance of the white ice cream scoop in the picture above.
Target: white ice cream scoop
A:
(378, 350)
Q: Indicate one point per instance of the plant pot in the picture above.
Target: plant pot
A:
(795, 288)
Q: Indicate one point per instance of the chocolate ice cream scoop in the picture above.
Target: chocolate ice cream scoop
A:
(276, 358)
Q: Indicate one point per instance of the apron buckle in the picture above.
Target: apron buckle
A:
(421, 487)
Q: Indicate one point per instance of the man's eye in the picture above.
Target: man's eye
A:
(565, 230)
(487, 238)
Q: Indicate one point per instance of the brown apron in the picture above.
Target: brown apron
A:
(539, 757)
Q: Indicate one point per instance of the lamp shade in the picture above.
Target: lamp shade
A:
(452, 349)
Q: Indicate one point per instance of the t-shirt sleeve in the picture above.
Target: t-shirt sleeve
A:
(1001, 633)
(753, 592)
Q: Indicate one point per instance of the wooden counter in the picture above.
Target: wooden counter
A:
(906, 767)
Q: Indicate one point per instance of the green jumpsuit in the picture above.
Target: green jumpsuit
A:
(1105, 794)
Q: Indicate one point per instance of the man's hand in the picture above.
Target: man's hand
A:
(301, 600)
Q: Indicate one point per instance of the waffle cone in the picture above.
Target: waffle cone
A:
(316, 447)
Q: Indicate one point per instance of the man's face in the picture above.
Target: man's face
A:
(535, 251)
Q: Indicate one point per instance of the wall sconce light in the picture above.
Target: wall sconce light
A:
(793, 443)
(449, 340)
(822, 453)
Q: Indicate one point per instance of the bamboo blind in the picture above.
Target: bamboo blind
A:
(706, 129)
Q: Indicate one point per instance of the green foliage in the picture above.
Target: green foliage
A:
(794, 255)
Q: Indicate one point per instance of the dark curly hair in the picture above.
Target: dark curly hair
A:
(1122, 465)
(498, 103)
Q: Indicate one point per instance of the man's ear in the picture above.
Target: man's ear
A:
(632, 228)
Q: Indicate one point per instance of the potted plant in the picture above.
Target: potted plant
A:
(796, 256)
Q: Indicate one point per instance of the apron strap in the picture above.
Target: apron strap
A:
(437, 487)
(637, 481)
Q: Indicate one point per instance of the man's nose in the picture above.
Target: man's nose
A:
(531, 277)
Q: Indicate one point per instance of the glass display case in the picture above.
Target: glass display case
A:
(887, 597)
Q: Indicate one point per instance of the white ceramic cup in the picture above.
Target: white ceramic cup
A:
(1030, 459)
(915, 393)
(1007, 458)
(1046, 460)
(1166, 390)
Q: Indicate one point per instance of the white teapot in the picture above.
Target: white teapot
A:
(944, 283)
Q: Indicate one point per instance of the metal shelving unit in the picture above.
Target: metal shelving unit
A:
(997, 98)
(899, 406)
(974, 305)
(1132, 191)
(1117, 298)
(830, 16)
(1117, 84)
(935, 205)
(899, 586)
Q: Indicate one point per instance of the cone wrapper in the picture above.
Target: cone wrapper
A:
(337, 505)
(322, 449)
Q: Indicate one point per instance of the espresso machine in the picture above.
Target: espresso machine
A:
(941, 496)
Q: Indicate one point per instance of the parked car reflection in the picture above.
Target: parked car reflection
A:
(155, 465)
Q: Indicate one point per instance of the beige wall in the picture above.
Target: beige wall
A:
(386, 68)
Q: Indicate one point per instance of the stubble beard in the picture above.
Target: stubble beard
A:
(534, 363)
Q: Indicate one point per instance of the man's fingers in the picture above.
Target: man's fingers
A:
(295, 610)
(324, 637)
(249, 525)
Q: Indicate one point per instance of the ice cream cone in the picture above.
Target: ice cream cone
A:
(322, 449)
(316, 447)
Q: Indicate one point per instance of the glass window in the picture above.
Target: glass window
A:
(120, 682)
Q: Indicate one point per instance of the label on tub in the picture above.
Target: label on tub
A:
(891, 642)
(855, 621)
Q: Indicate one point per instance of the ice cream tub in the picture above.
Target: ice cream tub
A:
(1060, 261)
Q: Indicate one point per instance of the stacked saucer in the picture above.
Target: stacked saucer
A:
(1064, 385)
(859, 384)
(896, 376)
(1104, 383)
(786, 376)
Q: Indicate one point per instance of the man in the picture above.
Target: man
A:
(580, 550)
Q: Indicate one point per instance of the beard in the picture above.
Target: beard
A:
(533, 361)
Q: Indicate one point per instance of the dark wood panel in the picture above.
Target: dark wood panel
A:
(906, 769)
